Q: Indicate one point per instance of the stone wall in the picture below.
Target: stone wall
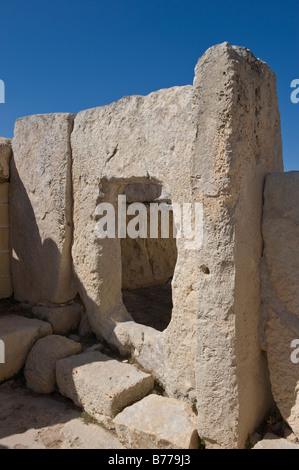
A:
(280, 295)
(6, 289)
(212, 143)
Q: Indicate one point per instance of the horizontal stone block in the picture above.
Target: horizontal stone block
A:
(157, 423)
(101, 385)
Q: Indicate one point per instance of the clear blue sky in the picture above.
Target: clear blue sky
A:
(64, 56)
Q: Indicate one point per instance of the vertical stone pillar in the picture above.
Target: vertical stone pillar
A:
(280, 294)
(5, 269)
(238, 144)
(41, 209)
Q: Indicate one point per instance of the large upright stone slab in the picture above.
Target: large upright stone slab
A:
(136, 140)
(5, 271)
(5, 265)
(280, 295)
(5, 156)
(212, 143)
(19, 334)
(239, 143)
(41, 209)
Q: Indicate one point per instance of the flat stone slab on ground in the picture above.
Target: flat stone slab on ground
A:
(62, 319)
(40, 369)
(101, 385)
(28, 421)
(19, 334)
(157, 422)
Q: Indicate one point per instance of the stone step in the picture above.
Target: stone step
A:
(18, 335)
(40, 365)
(157, 422)
(102, 386)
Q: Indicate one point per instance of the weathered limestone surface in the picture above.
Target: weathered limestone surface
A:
(157, 422)
(5, 156)
(40, 208)
(270, 441)
(280, 296)
(238, 94)
(5, 270)
(40, 368)
(62, 319)
(145, 140)
(19, 334)
(211, 143)
(101, 385)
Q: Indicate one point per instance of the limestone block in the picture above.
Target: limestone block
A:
(101, 385)
(157, 422)
(41, 209)
(239, 143)
(5, 155)
(40, 368)
(270, 441)
(280, 280)
(63, 319)
(19, 334)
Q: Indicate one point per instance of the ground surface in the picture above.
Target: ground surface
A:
(32, 421)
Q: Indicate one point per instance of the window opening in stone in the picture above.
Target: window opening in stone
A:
(148, 263)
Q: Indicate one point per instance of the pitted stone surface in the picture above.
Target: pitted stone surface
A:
(157, 422)
(19, 334)
(5, 155)
(40, 368)
(41, 209)
(280, 296)
(101, 385)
